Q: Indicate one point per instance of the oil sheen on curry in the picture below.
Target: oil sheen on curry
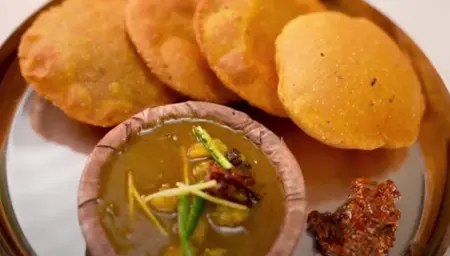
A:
(191, 187)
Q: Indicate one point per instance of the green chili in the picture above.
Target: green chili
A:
(183, 214)
(205, 139)
(197, 207)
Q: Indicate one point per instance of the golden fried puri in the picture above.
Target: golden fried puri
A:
(347, 84)
(163, 34)
(77, 55)
(237, 37)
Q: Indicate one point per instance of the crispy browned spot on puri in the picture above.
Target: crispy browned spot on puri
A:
(237, 38)
(348, 85)
(77, 56)
(163, 34)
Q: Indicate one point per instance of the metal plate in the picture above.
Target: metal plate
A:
(44, 153)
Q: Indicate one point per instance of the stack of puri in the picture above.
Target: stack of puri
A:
(340, 79)
(79, 56)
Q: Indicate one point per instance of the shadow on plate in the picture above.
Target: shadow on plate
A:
(53, 125)
(327, 167)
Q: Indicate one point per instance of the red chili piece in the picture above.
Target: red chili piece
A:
(234, 185)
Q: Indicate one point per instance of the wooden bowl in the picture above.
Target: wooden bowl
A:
(282, 159)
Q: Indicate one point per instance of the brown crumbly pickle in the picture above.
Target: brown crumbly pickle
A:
(364, 225)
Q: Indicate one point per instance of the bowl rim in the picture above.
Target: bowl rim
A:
(282, 159)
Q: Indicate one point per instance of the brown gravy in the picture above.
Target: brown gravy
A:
(153, 157)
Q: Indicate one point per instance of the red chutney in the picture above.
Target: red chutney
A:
(364, 225)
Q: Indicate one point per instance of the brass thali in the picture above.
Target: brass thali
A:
(43, 153)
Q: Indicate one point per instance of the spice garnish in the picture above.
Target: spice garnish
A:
(210, 198)
(181, 190)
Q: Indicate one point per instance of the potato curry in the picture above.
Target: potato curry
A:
(191, 187)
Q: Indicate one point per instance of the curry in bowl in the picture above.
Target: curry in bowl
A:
(189, 185)
(230, 197)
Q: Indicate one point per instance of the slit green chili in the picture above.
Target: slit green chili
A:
(183, 214)
(197, 207)
(205, 139)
